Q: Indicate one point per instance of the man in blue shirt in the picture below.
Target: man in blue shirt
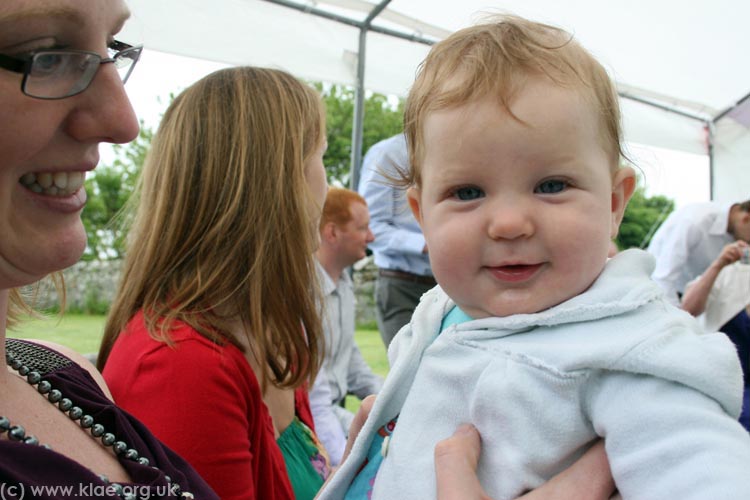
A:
(399, 247)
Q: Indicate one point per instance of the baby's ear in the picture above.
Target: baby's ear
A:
(413, 196)
(623, 186)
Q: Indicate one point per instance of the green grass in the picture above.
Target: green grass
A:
(80, 332)
(373, 350)
(83, 334)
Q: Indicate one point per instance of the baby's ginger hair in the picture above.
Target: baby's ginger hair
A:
(496, 58)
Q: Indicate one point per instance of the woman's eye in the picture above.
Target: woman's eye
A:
(468, 193)
(47, 62)
(551, 187)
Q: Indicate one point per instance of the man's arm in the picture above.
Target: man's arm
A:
(391, 220)
(697, 293)
(361, 380)
(327, 424)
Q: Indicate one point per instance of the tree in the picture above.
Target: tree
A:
(108, 190)
(642, 217)
(382, 118)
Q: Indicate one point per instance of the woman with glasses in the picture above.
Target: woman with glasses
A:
(62, 72)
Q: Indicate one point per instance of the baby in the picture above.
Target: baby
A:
(533, 335)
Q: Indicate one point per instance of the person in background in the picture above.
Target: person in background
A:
(534, 335)
(399, 247)
(720, 298)
(691, 238)
(214, 331)
(344, 235)
(62, 71)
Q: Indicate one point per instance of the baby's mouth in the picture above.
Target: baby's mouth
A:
(53, 183)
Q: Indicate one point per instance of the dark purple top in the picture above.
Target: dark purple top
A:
(24, 466)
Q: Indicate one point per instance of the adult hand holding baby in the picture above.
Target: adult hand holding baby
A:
(457, 457)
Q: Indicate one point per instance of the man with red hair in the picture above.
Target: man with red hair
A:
(344, 236)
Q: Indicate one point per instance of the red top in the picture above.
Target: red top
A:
(203, 401)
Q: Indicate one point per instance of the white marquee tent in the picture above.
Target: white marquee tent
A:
(680, 67)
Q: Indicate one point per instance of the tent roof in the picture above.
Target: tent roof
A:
(683, 57)
(689, 54)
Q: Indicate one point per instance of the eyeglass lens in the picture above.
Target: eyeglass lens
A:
(57, 74)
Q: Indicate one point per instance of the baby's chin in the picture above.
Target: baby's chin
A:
(507, 308)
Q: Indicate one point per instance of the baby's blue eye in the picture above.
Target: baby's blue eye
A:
(468, 193)
(551, 187)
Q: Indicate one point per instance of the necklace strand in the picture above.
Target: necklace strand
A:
(87, 423)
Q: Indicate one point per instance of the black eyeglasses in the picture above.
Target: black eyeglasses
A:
(56, 74)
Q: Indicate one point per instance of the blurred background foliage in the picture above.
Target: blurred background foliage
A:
(111, 185)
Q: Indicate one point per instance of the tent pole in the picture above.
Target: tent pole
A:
(731, 108)
(359, 96)
(359, 113)
(663, 107)
(711, 170)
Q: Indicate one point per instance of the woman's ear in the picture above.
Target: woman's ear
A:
(623, 186)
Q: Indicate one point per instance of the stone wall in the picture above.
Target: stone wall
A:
(364, 273)
(91, 287)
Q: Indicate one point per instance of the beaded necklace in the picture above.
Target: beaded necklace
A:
(97, 431)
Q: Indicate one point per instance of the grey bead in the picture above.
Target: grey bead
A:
(17, 433)
(24, 370)
(32, 440)
(75, 413)
(131, 454)
(117, 488)
(129, 496)
(33, 377)
(65, 404)
(54, 396)
(44, 387)
(87, 421)
(143, 461)
(119, 447)
(108, 439)
(16, 364)
(97, 430)
(4, 424)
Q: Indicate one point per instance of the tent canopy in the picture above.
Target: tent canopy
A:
(679, 66)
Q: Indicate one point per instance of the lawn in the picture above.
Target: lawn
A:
(83, 333)
(80, 332)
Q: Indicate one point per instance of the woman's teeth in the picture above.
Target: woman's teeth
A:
(54, 184)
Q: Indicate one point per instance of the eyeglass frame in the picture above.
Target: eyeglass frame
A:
(24, 65)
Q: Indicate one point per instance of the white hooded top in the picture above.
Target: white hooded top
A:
(616, 361)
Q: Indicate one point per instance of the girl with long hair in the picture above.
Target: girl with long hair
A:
(214, 333)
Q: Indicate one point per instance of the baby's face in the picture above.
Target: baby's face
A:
(518, 218)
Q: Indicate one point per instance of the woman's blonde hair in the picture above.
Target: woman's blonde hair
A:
(223, 229)
(23, 301)
(495, 58)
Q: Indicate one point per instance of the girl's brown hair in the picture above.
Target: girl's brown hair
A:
(223, 231)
